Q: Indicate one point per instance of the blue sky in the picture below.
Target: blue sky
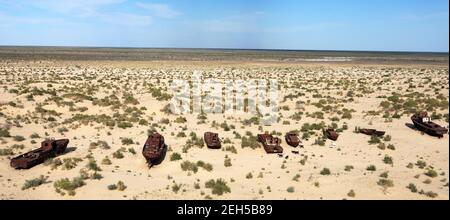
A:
(383, 25)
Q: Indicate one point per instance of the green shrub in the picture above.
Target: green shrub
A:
(371, 168)
(68, 185)
(34, 182)
(219, 186)
(325, 171)
(127, 141)
(175, 157)
(290, 189)
(431, 173)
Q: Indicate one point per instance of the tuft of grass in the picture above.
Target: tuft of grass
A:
(175, 157)
(371, 168)
(348, 168)
(325, 172)
(68, 185)
(431, 173)
(351, 193)
(412, 187)
(290, 189)
(219, 186)
(34, 182)
(388, 160)
(385, 183)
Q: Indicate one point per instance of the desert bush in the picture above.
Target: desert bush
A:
(127, 141)
(175, 156)
(227, 162)
(19, 138)
(351, 193)
(412, 187)
(219, 186)
(385, 183)
(68, 185)
(431, 173)
(371, 168)
(388, 160)
(325, 171)
(188, 166)
(290, 189)
(4, 132)
(34, 182)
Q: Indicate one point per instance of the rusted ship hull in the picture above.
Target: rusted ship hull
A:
(430, 129)
(212, 140)
(271, 144)
(49, 149)
(292, 140)
(372, 132)
(331, 134)
(154, 150)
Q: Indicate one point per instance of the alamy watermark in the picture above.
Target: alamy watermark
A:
(229, 97)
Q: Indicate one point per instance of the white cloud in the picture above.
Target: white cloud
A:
(159, 10)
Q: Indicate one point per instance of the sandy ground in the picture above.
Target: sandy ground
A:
(272, 176)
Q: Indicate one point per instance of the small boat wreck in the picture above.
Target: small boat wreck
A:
(155, 149)
(212, 140)
(372, 132)
(424, 124)
(331, 134)
(49, 148)
(292, 139)
(271, 144)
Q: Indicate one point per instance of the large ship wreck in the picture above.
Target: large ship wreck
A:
(212, 140)
(424, 124)
(271, 144)
(155, 149)
(372, 132)
(292, 139)
(49, 148)
(331, 134)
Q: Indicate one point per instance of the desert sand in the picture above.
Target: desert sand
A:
(64, 99)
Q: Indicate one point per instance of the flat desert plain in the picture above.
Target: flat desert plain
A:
(107, 109)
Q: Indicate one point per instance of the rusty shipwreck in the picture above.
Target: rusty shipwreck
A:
(424, 124)
(292, 139)
(331, 134)
(49, 148)
(155, 149)
(212, 140)
(372, 132)
(270, 143)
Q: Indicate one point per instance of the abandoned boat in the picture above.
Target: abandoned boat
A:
(424, 124)
(154, 149)
(372, 132)
(271, 144)
(331, 134)
(212, 140)
(292, 139)
(49, 148)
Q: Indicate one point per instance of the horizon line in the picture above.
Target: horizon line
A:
(227, 48)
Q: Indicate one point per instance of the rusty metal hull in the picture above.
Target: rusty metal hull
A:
(48, 149)
(271, 144)
(154, 149)
(372, 132)
(424, 124)
(212, 140)
(292, 139)
(331, 134)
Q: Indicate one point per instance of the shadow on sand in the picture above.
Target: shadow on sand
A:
(69, 150)
(411, 126)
